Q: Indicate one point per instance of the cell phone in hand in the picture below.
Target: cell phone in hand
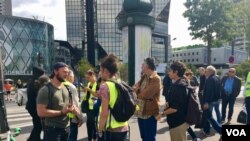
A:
(82, 85)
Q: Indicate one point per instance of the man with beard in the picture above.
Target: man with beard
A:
(54, 104)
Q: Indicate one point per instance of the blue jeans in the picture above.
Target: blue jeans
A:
(212, 121)
(217, 110)
(148, 128)
(73, 131)
(228, 100)
(56, 134)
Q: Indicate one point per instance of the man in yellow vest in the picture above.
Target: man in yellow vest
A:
(247, 98)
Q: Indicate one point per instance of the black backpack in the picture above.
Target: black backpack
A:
(194, 111)
(125, 104)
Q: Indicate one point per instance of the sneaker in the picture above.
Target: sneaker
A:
(197, 139)
(222, 121)
(206, 134)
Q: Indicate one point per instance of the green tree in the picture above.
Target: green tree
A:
(192, 68)
(83, 65)
(124, 72)
(243, 69)
(242, 11)
(208, 20)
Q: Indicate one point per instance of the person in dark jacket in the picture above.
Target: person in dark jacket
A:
(167, 82)
(230, 89)
(177, 103)
(211, 96)
(202, 82)
(32, 90)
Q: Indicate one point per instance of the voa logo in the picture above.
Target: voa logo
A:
(236, 132)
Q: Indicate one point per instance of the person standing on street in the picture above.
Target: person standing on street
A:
(230, 89)
(210, 99)
(90, 97)
(148, 93)
(177, 103)
(53, 104)
(202, 82)
(7, 88)
(108, 127)
(247, 97)
(75, 120)
(32, 91)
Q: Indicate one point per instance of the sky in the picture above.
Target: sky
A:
(53, 12)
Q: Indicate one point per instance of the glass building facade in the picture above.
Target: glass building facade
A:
(75, 22)
(25, 43)
(107, 33)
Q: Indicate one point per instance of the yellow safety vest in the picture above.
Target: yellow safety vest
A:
(248, 85)
(112, 99)
(91, 101)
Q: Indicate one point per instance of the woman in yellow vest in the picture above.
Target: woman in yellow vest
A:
(247, 97)
(108, 128)
(91, 98)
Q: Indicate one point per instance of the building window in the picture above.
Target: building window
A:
(188, 60)
(192, 60)
(180, 54)
(197, 53)
(197, 60)
(192, 53)
(188, 54)
(184, 54)
(214, 59)
(173, 55)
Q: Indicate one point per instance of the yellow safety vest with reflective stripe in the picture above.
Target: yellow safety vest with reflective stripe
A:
(70, 115)
(112, 99)
(248, 85)
(91, 101)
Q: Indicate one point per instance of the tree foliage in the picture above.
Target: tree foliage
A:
(192, 68)
(124, 72)
(209, 19)
(242, 11)
(243, 69)
(82, 66)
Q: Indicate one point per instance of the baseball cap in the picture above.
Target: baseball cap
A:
(58, 65)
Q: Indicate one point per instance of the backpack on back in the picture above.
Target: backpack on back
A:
(194, 111)
(125, 104)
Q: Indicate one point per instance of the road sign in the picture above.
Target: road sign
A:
(231, 59)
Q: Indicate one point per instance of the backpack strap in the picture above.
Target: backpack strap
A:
(50, 95)
(70, 94)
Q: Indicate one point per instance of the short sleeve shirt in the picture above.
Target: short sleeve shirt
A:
(60, 98)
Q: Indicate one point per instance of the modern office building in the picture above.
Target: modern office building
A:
(25, 43)
(75, 22)
(106, 32)
(5, 7)
(197, 56)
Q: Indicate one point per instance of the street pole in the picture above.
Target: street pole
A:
(78, 82)
(136, 26)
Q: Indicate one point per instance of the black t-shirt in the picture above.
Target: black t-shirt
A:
(177, 100)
